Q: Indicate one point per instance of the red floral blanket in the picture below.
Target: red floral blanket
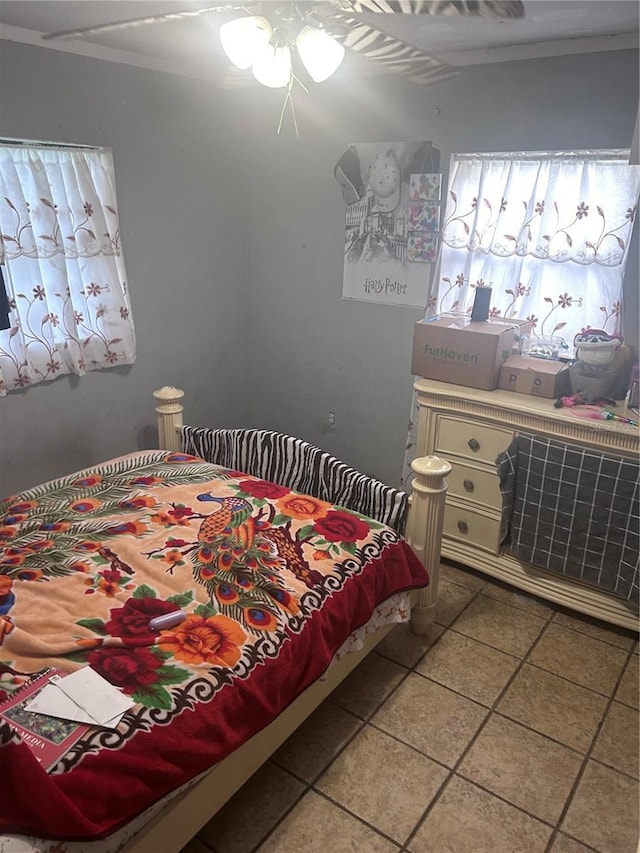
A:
(272, 582)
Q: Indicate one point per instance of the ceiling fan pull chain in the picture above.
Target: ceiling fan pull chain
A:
(289, 100)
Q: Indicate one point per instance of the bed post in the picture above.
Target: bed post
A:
(424, 531)
(169, 410)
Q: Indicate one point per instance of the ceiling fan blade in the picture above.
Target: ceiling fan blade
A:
(148, 19)
(477, 8)
(391, 53)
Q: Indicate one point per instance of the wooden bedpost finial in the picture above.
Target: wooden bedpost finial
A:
(433, 470)
(168, 396)
(169, 411)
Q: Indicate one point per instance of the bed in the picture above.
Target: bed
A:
(284, 592)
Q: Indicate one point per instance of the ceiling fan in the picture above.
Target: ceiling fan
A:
(279, 36)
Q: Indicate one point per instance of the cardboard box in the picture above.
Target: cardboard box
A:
(522, 327)
(537, 377)
(452, 348)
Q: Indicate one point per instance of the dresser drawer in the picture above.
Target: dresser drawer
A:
(477, 485)
(466, 525)
(473, 441)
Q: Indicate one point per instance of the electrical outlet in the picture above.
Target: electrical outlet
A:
(332, 418)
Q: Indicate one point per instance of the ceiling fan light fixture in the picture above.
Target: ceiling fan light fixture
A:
(321, 54)
(243, 38)
(272, 66)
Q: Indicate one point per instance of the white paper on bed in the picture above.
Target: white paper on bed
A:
(83, 697)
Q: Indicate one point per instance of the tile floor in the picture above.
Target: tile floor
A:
(511, 728)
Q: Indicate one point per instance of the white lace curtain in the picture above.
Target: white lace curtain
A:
(62, 265)
(548, 232)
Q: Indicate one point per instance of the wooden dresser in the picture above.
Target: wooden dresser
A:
(469, 428)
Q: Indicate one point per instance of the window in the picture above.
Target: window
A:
(62, 264)
(549, 233)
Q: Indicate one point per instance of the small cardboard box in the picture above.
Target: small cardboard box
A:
(537, 377)
(452, 348)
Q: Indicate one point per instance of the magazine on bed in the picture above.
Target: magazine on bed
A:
(47, 737)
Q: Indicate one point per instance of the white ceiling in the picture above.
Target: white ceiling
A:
(191, 47)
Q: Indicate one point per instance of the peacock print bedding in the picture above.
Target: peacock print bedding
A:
(272, 582)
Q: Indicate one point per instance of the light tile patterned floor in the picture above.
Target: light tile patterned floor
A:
(511, 727)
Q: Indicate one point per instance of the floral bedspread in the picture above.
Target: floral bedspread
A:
(272, 582)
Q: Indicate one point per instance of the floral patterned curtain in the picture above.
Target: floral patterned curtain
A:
(549, 233)
(63, 267)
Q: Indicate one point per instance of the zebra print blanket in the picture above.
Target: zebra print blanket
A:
(301, 467)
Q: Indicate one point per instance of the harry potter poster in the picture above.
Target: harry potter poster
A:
(392, 191)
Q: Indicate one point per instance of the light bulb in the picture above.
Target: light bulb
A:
(243, 38)
(320, 53)
(272, 66)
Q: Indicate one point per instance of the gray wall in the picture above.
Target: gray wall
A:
(324, 354)
(180, 213)
(233, 241)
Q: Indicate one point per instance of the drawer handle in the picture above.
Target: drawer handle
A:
(463, 527)
(468, 486)
(473, 444)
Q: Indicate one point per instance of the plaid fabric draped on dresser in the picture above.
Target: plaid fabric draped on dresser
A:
(573, 511)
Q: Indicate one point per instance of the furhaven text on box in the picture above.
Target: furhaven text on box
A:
(455, 355)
